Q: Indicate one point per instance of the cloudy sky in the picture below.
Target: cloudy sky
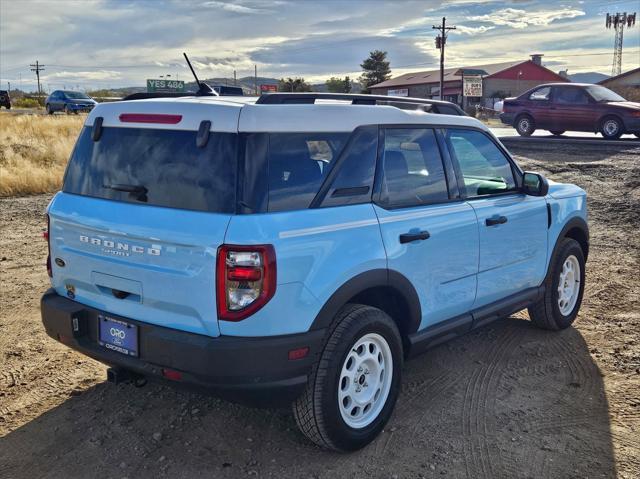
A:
(112, 43)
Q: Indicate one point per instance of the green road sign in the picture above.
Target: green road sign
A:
(154, 86)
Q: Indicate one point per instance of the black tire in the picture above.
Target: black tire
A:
(525, 125)
(637, 135)
(611, 127)
(67, 110)
(49, 109)
(316, 411)
(556, 132)
(546, 313)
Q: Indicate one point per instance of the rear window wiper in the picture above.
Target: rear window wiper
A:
(137, 191)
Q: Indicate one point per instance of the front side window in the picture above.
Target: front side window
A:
(413, 173)
(541, 94)
(571, 96)
(485, 169)
(298, 163)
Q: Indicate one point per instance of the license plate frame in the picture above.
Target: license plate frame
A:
(117, 335)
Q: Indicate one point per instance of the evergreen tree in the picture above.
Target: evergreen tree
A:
(375, 70)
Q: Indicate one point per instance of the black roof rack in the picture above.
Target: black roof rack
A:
(356, 99)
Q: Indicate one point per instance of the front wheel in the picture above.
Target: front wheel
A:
(353, 389)
(556, 132)
(49, 109)
(564, 287)
(611, 128)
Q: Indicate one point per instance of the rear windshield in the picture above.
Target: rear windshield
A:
(155, 167)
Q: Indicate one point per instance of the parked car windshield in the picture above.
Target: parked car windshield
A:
(76, 95)
(155, 167)
(600, 93)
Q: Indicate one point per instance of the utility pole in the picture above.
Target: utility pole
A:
(255, 78)
(235, 79)
(441, 40)
(618, 22)
(37, 68)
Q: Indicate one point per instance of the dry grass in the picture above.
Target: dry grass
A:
(34, 151)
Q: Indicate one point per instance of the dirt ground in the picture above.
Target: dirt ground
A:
(504, 401)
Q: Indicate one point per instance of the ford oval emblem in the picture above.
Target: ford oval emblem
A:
(60, 262)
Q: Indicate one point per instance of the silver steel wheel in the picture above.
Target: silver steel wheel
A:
(569, 285)
(365, 381)
(524, 124)
(611, 127)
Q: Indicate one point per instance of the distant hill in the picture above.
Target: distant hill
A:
(247, 84)
(588, 77)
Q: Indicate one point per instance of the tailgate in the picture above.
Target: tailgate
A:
(142, 262)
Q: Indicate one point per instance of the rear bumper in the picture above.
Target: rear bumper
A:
(254, 370)
(507, 118)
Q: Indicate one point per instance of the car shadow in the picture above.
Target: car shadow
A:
(507, 400)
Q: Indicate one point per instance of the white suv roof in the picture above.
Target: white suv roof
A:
(243, 114)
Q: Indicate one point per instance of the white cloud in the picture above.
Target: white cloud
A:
(516, 18)
(462, 29)
(83, 76)
(236, 8)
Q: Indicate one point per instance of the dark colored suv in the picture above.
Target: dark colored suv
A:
(560, 107)
(5, 100)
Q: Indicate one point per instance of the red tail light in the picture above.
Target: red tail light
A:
(245, 280)
(45, 235)
(150, 118)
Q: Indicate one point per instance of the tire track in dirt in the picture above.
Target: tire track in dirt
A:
(477, 458)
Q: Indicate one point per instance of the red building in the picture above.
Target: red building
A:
(499, 80)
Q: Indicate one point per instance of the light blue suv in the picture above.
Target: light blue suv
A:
(298, 248)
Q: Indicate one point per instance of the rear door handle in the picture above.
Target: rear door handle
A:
(409, 237)
(498, 220)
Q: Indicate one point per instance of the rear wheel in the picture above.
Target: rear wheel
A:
(353, 389)
(557, 132)
(564, 288)
(611, 128)
(525, 125)
(637, 134)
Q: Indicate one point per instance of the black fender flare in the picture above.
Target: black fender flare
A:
(367, 280)
(574, 223)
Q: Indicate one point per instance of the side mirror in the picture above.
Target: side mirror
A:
(534, 184)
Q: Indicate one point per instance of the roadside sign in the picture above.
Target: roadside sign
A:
(268, 88)
(398, 92)
(154, 86)
(472, 85)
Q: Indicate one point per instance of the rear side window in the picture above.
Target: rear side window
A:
(298, 164)
(413, 173)
(542, 94)
(155, 167)
(354, 179)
